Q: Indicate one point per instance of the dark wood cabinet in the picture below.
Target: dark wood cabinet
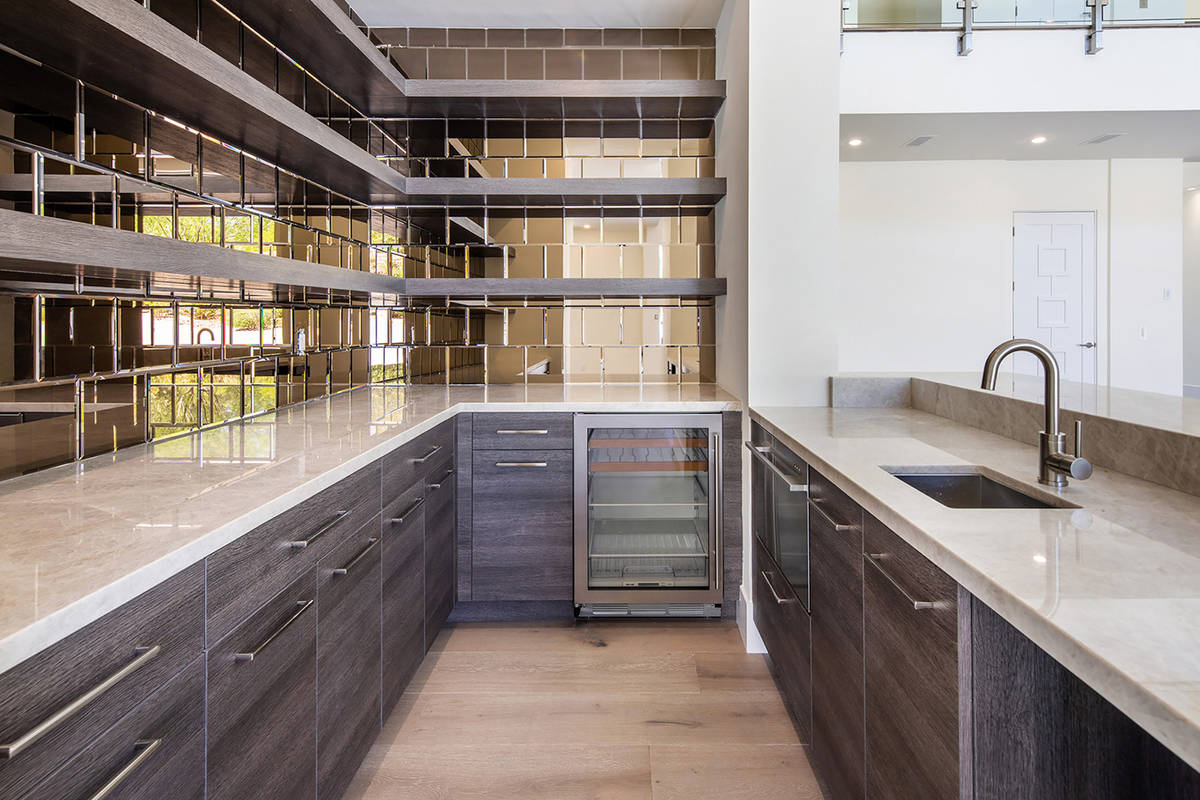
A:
(156, 751)
(523, 431)
(521, 533)
(262, 682)
(403, 543)
(910, 608)
(836, 592)
(348, 658)
(145, 642)
(440, 529)
(785, 629)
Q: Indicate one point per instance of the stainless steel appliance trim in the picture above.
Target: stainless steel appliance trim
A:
(300, 544)
(639, 597)
(760, 452)
(144, 656)
(714, 496)
(837, 526)
(146, 748)
(359, 557)
(919, 605)
(303, 606)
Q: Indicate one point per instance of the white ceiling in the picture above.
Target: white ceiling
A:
(539, 13)
(1145, 134)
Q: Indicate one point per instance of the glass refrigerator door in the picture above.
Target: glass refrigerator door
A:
(648, 508)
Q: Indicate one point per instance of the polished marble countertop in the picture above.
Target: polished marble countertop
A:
(1111, 589)
(81, 539)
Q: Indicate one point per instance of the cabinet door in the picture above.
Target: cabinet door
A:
(348, 658)
(911, 613)
(522, 529)
(440, 527)
(262, 710)
(837, 655)
(403, 594)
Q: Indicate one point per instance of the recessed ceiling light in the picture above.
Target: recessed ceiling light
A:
(1038, 140)
(854, 142)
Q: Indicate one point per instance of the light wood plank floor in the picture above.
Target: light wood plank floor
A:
(607, 710)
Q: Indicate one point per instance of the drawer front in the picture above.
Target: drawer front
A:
(250, 571)
(522, 535)
(784, 626)
(115, 651)
(521, 431)
(155, 751)
(262, 712)
(919, 576)
(836, 504)
(348, 658)
(416, 460)
(403, 594)
(440, 529)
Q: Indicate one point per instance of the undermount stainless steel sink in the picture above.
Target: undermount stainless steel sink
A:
(973, 490)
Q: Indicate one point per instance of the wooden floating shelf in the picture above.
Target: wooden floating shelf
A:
(564, 288)
(566, 191)
(605, 444)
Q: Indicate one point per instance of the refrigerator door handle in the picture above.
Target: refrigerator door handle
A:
(714, 493)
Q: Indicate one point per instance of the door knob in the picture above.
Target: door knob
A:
(1088, 345)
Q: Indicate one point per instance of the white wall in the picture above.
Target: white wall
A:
(793, 185)
(1145, 249)
(926, 259)
(1191, 281)
(1039, 70)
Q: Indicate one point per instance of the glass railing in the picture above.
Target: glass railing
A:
(946, 14)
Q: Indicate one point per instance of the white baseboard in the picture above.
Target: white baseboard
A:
(1191, 391)
(745, 620)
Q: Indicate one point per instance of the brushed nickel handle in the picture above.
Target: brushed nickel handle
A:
(361, 555)
(760, 453)
(416, 504)
(442, 480)
(145, 748)
(717, 465)
(144, 656)
(300, 544)
(919, 605)
(1088, 345)
(530, 432)
(837, 526)
(522, 464)
(771, 585)
(437, 448)
(301, 607)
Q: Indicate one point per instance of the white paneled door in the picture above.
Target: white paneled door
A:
(1054, 289)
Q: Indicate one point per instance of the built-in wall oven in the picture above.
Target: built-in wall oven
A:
(647, 514)
(779, 506)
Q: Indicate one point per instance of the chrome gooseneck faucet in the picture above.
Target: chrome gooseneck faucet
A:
(1056, 463)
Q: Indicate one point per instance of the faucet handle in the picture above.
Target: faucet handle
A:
(1078, 438)
(1081, 468)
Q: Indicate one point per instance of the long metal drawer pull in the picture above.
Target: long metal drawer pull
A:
(361, 555)
(400, 519)
(144, 656)
(437, 448)
(520, 464)
(919, 605)
(302, 606)
(760, 453)
(300, 544)
(837, 526)
(442, 480)
(146, 748)
(541, 432)
(771, 585)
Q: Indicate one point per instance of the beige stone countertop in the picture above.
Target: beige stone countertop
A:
(81, 539)
(1111, 589)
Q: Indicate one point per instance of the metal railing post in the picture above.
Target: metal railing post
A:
(38, 198)
(966, 39)
(1095, 41)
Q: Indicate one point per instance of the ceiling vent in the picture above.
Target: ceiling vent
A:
(1104, 137)
(918, 141)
